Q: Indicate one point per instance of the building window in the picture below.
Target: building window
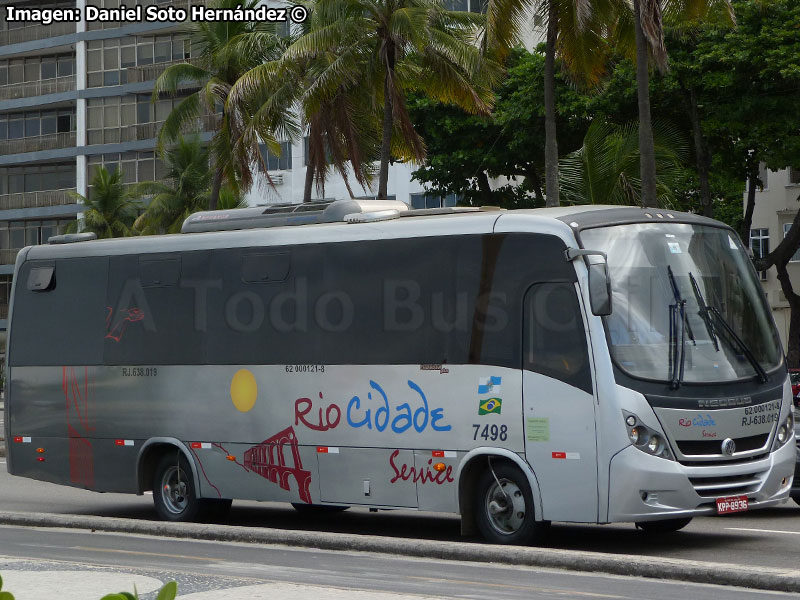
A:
(786, 228)
(5, 294)
(18, 234)
(794, 175)
(476, 6)
(136, 167)
(36, 122)
(115, 119)
(423, 200)
(37, 178)
(759, 244)
(107, 61)
(277, 163)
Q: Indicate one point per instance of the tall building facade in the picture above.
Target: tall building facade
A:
(776, 206)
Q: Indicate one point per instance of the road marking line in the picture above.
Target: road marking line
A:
(144, 553)
(518, 587)
(763, 530)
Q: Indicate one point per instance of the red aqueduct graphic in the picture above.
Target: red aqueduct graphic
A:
(261, 459)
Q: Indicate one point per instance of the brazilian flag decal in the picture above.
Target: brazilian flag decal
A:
(490, 406)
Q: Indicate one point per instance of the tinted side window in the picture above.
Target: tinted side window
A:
(555, 339)
(152, 313)
(453, 299)
(63, 323)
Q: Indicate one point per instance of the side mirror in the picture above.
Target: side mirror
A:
(600, 289)
(599, 281)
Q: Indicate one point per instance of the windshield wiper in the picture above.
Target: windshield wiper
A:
(677, 314)
(704, 312)
(760, 372)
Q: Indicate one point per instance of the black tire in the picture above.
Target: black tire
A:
(501, 521)
(174, 490)
(664, 526)
(317, 509)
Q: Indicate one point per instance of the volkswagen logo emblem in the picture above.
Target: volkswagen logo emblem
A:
(728, 447)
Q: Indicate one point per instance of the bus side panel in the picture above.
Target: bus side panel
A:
(67, 434)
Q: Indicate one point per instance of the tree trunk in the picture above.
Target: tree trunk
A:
(701, 151)
(309, 182)
(793, 341)
(779, 258)
(484, 187)
(747, 223)
(551, 142)
(388, 122)
(647, 155)
(213, 201)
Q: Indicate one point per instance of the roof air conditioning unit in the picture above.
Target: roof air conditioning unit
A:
(277, 177)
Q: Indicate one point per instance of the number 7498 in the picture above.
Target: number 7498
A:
(490, 432)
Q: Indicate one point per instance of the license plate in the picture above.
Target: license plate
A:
(731, 504)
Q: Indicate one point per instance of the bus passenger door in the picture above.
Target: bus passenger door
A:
(558, 403)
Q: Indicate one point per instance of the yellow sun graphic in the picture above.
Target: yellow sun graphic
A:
(244, 390)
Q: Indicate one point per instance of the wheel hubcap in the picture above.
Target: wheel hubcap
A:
(174, 490)
(505, 507)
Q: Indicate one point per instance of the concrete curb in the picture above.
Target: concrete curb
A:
(763, 578)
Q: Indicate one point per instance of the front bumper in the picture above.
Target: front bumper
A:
(645, 488)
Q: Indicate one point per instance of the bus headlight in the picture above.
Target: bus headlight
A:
(644, 438)
(785, 431)
(654, 444)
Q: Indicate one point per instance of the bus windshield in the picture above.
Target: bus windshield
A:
(653, 267)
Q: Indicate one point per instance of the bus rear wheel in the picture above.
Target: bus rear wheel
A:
(174, 491)
(504, 507)
(664, 526)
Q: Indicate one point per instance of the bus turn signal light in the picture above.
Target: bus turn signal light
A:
(40, 450)
(439, 467)
(230, 457)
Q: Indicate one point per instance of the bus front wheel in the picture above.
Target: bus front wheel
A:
(504, 507)
(174, 491)
(664, 526)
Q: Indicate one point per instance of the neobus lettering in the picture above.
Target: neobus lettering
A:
(403, 419)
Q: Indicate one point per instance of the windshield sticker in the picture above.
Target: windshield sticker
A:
(537, 429)
(674, 247)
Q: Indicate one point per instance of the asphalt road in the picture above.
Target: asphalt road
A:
(768, 537)
(79, 561)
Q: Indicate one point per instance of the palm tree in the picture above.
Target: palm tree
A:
(215, 67)
(109, 211)
(389, 47)
(575, 31)
(606, 169)
(184, 190)
(647, 21)
(338, 120)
